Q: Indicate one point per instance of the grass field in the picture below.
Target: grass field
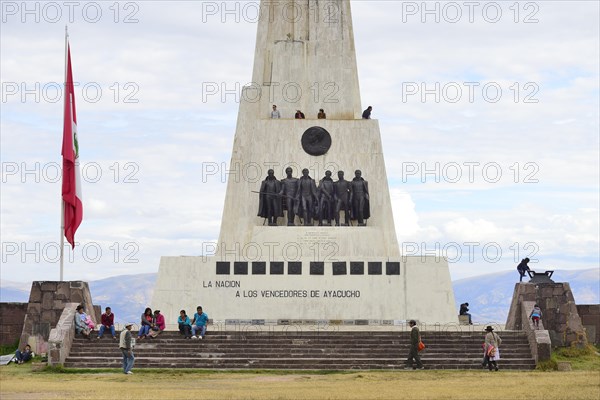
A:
(19, 382)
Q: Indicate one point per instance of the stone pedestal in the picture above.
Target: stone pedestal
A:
(46, 303)
(560, 316)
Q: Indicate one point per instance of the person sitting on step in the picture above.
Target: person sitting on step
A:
(185, 326)
(158, 324)
(107, 323)
(80, 326)
(464, 310)
(146, 323)
(199, 323)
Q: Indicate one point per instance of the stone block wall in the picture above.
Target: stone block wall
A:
(12, 317)
(560, 315)
(46, 303)
(590, 317)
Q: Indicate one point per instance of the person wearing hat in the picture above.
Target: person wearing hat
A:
(415, 338)
(491, 348)
(126, 344)
(80, 325)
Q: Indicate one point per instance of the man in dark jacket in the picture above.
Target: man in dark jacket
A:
(108, 323)
(415, 338)
(464, 310)
(269, 203)
(523, 268)
(367, 113)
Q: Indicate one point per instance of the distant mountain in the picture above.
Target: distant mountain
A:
(489, 296)
(127, 295)
(14, 292)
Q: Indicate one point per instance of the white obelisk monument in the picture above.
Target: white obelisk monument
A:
(260, 274)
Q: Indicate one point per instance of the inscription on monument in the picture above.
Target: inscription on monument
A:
(322, 244)
(281, 293)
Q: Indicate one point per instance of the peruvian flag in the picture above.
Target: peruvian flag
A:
(71, 179)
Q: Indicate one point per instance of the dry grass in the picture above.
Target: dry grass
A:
(17, 382)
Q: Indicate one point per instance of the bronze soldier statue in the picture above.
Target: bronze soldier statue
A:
(269, 204)
(326, 198)
(306, 196)
(343, 189)
(289, 186)
(359, 198)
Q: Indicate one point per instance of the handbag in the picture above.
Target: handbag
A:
(420, 346)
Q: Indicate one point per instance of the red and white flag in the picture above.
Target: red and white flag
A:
(71, 179)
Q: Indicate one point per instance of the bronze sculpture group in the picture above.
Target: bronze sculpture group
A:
(303, 198)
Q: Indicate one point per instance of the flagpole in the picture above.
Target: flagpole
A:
(62, 202)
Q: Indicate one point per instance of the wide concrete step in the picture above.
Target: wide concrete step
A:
(506, 353)
(295, 365)
(302, 350)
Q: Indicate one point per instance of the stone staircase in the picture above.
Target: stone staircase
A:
(341, 350)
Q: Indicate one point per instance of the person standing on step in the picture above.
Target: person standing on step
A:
(199, 324)
(415, 338)
(126, 344)
(492, 348)
(536, 315)
(107, 323)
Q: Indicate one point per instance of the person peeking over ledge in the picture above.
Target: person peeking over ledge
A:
(367, 113)
(321, 114)
(299, 114)
(275, 113)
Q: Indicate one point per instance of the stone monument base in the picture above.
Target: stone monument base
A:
(241, 292)
(46, 303)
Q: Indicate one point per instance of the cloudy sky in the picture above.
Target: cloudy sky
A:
(488, 115)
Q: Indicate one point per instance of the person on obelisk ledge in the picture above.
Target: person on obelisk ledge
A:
(343, 188)
(367, 113)
(321, 114)
(275, 113)
(306, 196)
(359, 198)
(326, 195)
(269, 203)
(289, 187)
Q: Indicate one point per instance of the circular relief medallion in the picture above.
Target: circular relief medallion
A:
(316, 141)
